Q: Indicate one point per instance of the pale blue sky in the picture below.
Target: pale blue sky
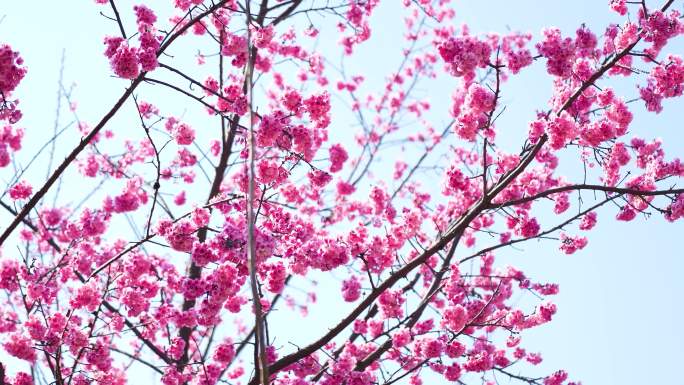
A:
(620, 302)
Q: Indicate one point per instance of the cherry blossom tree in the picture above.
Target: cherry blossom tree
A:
(234, 210)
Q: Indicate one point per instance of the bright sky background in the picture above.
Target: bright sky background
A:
(620, 302)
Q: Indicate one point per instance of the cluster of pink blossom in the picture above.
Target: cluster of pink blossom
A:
(318, 107)
(658, 28)
(338, 155)
(130, 199)
(390, 302)
(619, 6)
(357, 16)
(86, 296)
(570, 244)
(559, 52)
(517, 55)
(12, 72)
(21, 347)
(665, 81)
(10, 140)
(21, 190)
(351, 289)
(127, 61)
(400, 243)
(465, 54)
(473, 117)
(182, 132)
(676, 209)
(619, 157)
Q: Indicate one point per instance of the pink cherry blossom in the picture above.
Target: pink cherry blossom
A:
(21, 190)
(244, 178)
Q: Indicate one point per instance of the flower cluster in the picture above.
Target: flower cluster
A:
(388, 243)
(21, 190)
(465, 54)
(127, 61)
(10, 141)
(12, 72)
(665, 81)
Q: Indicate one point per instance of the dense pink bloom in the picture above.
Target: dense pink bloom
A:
(665, 81)
(20, 346)
(469, 123)
(562, 203)
(588, 221)
(585, 42)
(147, 59)
(546, 289)
(318, 107)
(619, 157)
(570, 244)
(172, 377)
(652, 98)
(401, 337)
(263, 36)
(626, 36)
(479, 362)
(344, 188)
(11, 69)
(619, 6)
(271, 172)
(514, 47)
(453, 372)
(9, 275)
(465, 54)
(594, 133)
(135, 302)
(379, 198)
(455, 318)
(12, 72)
(147, 110)
(181, 236)
(87, 296)
(21, 190)
(626, 214)
(22, 378)
(559, 52)
(144, 15)
(390, 302)
(561, 130)
(319, 178)
(351, 289)
(125, 62)
(338, 156)
(479, 99)
(129, 199)
(659, 27)
(176, 348)
(270, 128)
(676, 209)
(529, 227)
(429, 347)
(557, 378)
(184, 134)
(151, 253)
(10, 140)
(225, 352)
